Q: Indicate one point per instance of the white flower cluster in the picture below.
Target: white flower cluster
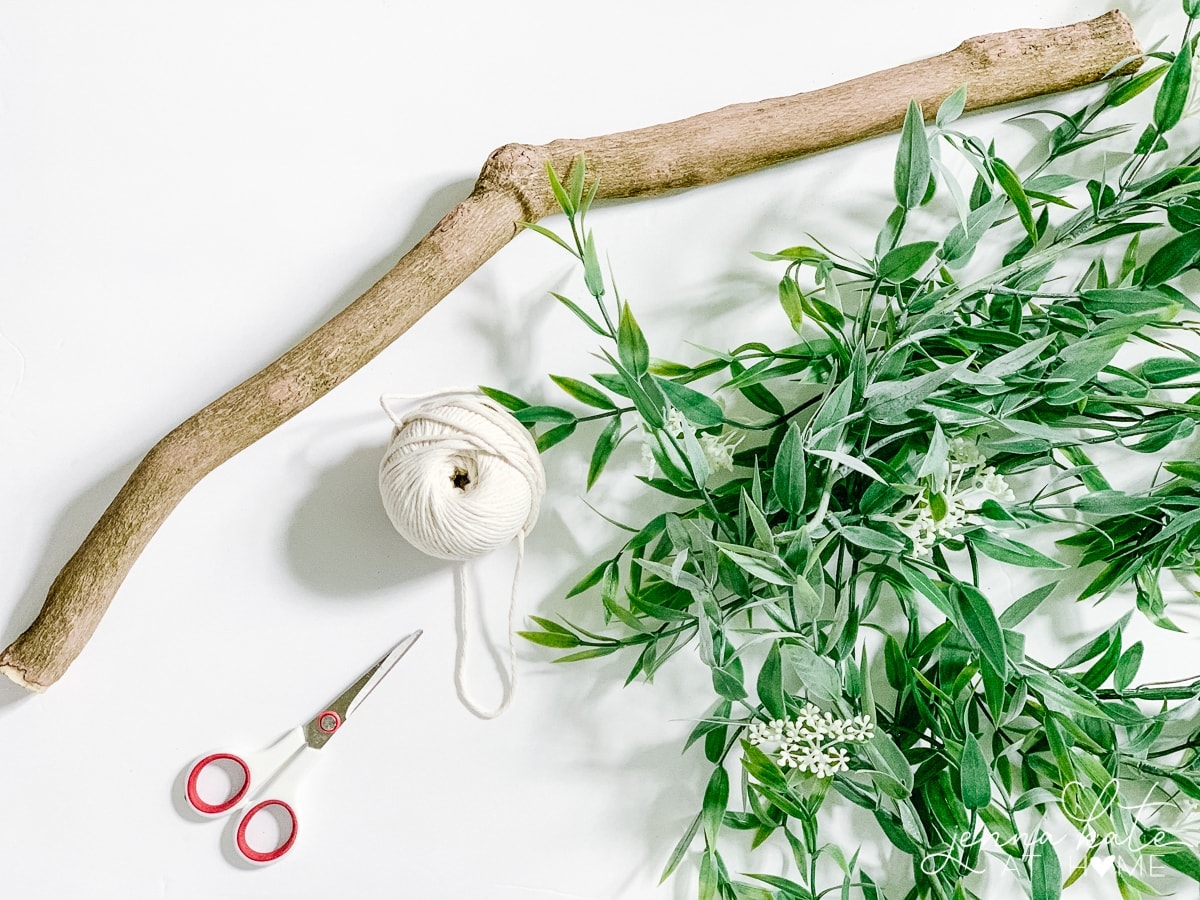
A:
(718, 448)
(930, 518)
(811, 741)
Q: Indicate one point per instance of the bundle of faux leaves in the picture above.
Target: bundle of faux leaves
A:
(942, 407)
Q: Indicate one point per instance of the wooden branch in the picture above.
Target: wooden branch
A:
(512, 187)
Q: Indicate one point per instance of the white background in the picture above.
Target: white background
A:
(186, 189)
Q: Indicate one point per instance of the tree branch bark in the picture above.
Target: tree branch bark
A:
(512, 187)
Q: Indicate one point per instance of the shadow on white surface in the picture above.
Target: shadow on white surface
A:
(340, 542)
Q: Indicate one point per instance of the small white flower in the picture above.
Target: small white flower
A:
(676, 422)
(766, 732)
(931, 517)
(836, 760)
(718, 450)
(860, 728)
(648, 464)
(988, 482)
(812, 759)
(789, 756)
(809, 717)
(812, 741)
(966, 454)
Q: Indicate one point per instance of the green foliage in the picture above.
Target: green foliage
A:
(829, 523)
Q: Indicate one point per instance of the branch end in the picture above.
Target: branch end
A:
(16, 675)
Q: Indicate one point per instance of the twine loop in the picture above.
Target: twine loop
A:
(460, 478)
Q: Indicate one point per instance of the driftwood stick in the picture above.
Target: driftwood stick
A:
(512, 187)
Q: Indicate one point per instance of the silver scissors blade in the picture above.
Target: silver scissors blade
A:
(325, 724)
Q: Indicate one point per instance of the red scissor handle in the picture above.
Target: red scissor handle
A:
(193, 795)
(260, 856)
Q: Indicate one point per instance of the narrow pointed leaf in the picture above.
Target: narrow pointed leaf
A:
(911, 178)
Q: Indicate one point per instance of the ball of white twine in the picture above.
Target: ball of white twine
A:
(460, 478)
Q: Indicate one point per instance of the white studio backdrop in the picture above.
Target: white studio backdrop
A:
(186, 190)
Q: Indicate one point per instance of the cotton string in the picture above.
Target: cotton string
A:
(461, 477)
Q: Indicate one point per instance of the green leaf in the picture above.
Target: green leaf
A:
(582, 316)
(934, 464)
(845, 460)
(1011, 185)
(549, 625)
(1081, 362)
(756, 393)
(905, 261)
(592, 277)
(550, 638)
(583, 392)
(1059, 696)
(575, 182)
(605, 445)
(820, 680)
(709, 880)
(508, 401)
(893, 226)
(531, 415)
(1183, 861)
(768, 567)
(911, 179)
(1162, 369)
(952, 107)
(1172, 96)
(1114, 503)
(546, 232)
(792, 254)
(727, 681)
(589, 580)
(647, 407)
(716, 799)
(632, 349)
(792, 301)
(889, 759)
(889, 402)
(827, 425)
(961, 241)
(1005, 550)
(555, 435)
(1127, 90)
(1130, 302)
(1045, 872)
(870, 539)
(763, 534)
(790, 478)
(681, 848)
(974, 775)
(1184, 469)
(981, 626)
(699, 409)
(1172, 258)
(921, 583)
(1026, 604)
(1127, 666)
(560, 193)
(1018, 358)
(770, 684)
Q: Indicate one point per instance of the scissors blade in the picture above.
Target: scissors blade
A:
(324, 725)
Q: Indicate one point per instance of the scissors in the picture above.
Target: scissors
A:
(294, 753)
